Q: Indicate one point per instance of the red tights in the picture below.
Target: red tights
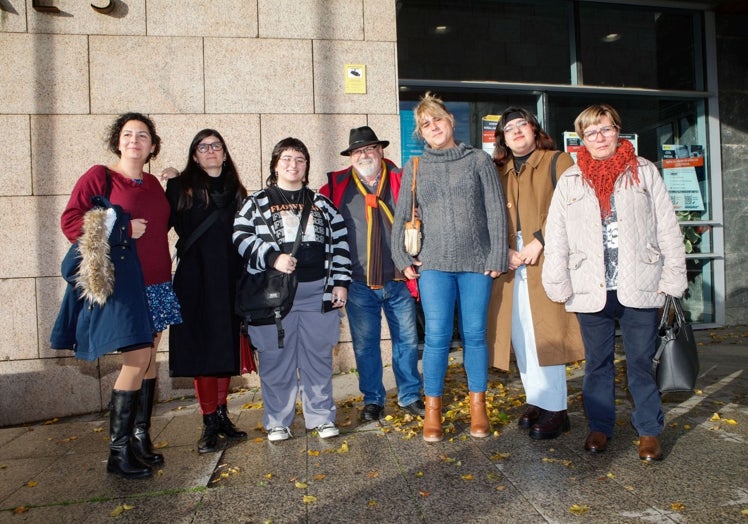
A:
(211, 392)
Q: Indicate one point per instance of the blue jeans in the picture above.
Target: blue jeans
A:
(639, 331)
(440, 291)
(364, 309)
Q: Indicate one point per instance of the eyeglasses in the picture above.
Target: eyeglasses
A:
(364, 151)
(288, 159)
(215, 146)
(606, 131)
(519, 125)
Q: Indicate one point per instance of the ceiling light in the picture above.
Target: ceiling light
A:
(611, 37)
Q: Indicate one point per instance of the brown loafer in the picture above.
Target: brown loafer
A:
(649, 448)
(530, 416)
(596, 442)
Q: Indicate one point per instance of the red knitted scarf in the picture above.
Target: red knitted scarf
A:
(602, 174)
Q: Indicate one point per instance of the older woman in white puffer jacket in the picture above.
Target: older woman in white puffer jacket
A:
(613, 251)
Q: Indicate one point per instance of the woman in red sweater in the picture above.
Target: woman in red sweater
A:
(134, 140)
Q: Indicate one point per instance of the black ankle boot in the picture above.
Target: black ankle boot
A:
(141, 438)
(122, 460)
(225, 426)
(209, 440)
(550, 425)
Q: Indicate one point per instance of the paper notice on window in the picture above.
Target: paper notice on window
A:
(681, 166)
(487, 136)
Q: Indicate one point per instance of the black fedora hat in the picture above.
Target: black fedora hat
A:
(362, 137)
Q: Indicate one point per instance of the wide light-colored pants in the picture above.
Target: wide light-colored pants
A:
(303, 365)
(545, 386)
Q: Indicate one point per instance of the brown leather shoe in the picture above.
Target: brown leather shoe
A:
(649, 448)
(550, 425)
(530, 416)
(596, 442)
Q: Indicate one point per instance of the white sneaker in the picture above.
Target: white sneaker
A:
(328, 430)
(279, 433)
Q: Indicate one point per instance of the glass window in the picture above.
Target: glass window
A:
(520, 41)
(662, 40)
(477, 54)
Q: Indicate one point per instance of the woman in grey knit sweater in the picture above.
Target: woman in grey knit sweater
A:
(462, 208)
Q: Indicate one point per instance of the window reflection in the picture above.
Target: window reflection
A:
(637, 47)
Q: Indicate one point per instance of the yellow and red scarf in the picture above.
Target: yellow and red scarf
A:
(377, 212)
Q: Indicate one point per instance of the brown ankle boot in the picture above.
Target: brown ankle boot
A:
(432, 422)
(478, 416)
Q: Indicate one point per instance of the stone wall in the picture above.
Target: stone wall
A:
(732, 53)
(256, 70)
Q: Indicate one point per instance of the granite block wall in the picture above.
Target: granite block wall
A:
(732, 54)
(256, 70)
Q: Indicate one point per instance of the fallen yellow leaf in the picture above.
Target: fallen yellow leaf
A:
(677, 506)
(301, 485)
(467, 477)
(319, 476)
(121, 509)
(372, 503)
(566, 463)
(313, 453)
(309, 499)
(715, 417)
(20, 509)
(579, 509)
(344, 447)
(32, 483)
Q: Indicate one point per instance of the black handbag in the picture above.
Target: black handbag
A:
(676, 363)
(266, 298)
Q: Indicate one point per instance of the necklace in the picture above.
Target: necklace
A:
(291, 197)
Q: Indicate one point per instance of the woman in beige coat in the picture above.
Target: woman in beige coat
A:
(542, 334)
(614, 249)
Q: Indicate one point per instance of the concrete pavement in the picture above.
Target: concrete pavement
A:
(56, 471)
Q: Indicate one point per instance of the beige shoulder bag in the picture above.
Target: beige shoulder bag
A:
(413, 226)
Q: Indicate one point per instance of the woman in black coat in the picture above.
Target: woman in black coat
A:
(204, 200)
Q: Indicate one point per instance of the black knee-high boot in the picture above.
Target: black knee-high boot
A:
(141, 438)
(122, 460)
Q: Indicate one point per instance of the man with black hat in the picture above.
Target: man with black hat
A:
(365, 194)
